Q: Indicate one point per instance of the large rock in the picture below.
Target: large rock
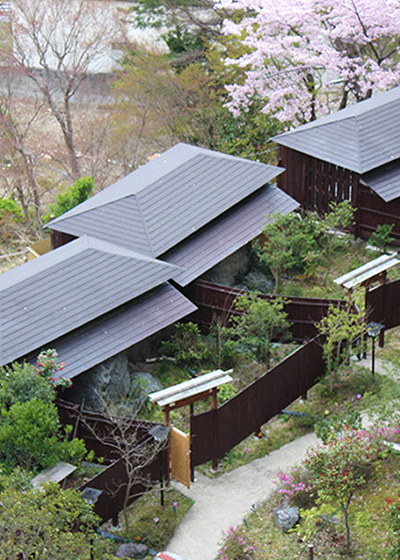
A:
(109, 381)
(286, 516)
(132, 550)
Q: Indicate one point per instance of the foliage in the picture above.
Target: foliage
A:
(297, 486)
(289, 242)
(47, 523)
(349, 418)
(74, 195)
(31, 437)
(11, 217)
(21, 383)
(339, 217)
(344, 464)
(381, 236)
(311, 55)
(222, 335)
(260, 323)
(341, 328)
(47, 367)
(392, 516)
(237, 545)
(247, 134)
(9, 207)
(153, 523)
(186, 345)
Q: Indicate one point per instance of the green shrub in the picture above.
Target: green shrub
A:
(21, 383)
(31, 437)
(381, 237)
(74, 195)
(48, 523)
(187, 345)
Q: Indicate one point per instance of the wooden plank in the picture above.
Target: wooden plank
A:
(53, 474)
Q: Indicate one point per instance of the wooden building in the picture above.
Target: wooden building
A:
(353, 154)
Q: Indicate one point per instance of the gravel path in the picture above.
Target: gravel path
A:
(221, 502)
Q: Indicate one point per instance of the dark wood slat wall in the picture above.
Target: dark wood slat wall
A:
(315, 183)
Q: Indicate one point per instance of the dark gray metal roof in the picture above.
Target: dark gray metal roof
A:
(169, 199)
(50, 296)
(228, 233)
(121, 328)
(385, 181)
(360, 138)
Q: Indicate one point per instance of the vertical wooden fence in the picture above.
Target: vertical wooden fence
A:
(217, 431)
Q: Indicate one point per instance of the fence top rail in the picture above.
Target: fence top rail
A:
(182, 391)
(289, 299)
(368, 271)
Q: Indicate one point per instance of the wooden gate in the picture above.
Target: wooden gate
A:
(180, 456)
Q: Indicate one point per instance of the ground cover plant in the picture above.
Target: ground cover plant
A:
(154, 524)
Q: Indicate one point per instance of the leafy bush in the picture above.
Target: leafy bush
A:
(237, 546)
(297, 486)
(11, 217)
(289, 243)
(31, 437)
(381, 236)
(74, 195)
(9, 207)
(47, 523)
(261, 322)
(21, 383)
(186, 345)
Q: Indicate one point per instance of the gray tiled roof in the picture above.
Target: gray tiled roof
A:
(169, 199)
(360, 138)
(227, 234)
(121, 328)
(105, 291)
(385, 180)
(50, 296)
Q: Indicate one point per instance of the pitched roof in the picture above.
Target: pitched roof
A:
(121, 328)
(227, 234)
(106, 290)
(385, 180)
(167, 200)
(360, 138)
(47, 297)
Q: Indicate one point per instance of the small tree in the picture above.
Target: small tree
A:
(130, 440)
(31, 437)
(343, 465)
(288, 242)
(381, 237)
(342, 327)
(260, 322)
(339, 217)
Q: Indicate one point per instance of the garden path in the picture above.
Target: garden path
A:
(222, 502)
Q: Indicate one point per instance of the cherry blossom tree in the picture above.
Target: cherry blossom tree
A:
(306, 57)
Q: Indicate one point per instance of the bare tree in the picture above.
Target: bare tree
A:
(137, 442)
(15, 129)
(57, 43)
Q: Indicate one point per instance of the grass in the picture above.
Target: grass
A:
(152, 524)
